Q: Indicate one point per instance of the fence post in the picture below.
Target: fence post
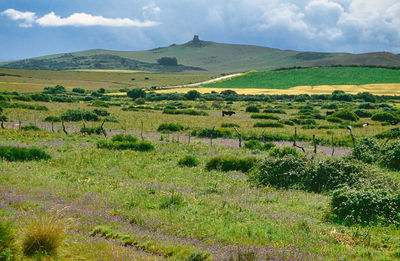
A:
(63, 127)
(315, 143)
(333, 146)
(141, 131)
(240, 137)
(189, 137)
(211, 135)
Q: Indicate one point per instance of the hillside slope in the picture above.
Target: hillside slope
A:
(197, 55)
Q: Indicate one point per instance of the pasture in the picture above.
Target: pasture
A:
(194, 193)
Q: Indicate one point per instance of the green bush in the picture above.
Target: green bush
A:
(100, 112)
(214, 133)
(390, 156)
(92, 130)
(282, 151)
(229, 125)
(274, 110)
(8, 249)
(228, 163)
(346, 115)
(265, 116)
(125, 142)
(267, 124)
(52, 119)
(334, 119)
(30, 128)
(78, 115)
(367, 150)
(287, 122)
(384, 116)
(124, 137)
(330, 106)
(40, 97)
(189, 161)
(252, 108)
(78, 90)
(22, 98)
(389, 134)
(253, 145)
(10, 153)
(366, 205)
(363, 113)
(170, 127)
(100, 103)
(136, 93)
(366, 106)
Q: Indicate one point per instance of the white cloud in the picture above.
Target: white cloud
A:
(151, 11)
(76, 19)
(26, 18)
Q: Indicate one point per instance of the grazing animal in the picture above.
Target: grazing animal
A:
(365, 124)
(229, 113)
(329, 113)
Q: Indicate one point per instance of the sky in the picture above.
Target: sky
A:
(32, 28)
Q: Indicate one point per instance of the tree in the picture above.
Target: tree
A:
(136, 93)
(192, 95)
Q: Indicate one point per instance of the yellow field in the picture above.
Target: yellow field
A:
(377, 89)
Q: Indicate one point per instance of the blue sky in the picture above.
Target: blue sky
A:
(30, 28)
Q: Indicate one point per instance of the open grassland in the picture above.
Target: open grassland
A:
(35, 80)
(317, 76)
(377, 89)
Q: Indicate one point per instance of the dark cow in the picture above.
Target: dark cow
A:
(229, 113)
(329, 113)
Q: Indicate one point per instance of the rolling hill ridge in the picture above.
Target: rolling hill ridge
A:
(202, 56)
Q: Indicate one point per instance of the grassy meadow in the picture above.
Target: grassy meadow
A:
(127, 204)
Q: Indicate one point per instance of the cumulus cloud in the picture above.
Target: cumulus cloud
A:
(76, 19)
(151, 11)
(26, 19)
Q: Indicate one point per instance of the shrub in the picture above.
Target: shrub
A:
(92, 130)
(334, 119)
(136, 93)
(367, 150)
(287, 122)
(267, 124)
(192, 95)
(346, 115)
(78, 90)
(268, 146)
(10, 153)
(274, 110)
(282, 151)
(252, 108)
(390, 156)
(330, 106)
(170, 127)
(363, 113)
(125, 142)
(384, 116)
(7, 242)
(253, 145)
(54, 90)
(30, 128)
(176, 200)
(366, 106)
(40, 97)
(52, 119)
(189, 161)
(22, 98)
(124, 137)
(366, 205)
(186, 111)
(43, 237)
(389, 134)
(265, 116)
(214, 133)
(228, 163)
(101, 112)
(78, 115)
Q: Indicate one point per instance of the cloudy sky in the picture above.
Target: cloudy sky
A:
(30, 28)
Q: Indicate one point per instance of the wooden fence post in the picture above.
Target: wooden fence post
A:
(295, 139)
(315, 143)
(211, 135)
(141, 131)
(63, 127)
(333, 146)
(240, 137)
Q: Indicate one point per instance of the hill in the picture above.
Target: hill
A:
(198, 55)
(285, 79)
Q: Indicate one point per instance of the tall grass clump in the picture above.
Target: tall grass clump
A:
(125, 142)
(346, 115)
(10, 153)
(43, 236)
(8, 248)
(228, 163)
(283, 151)
(170, 127)
(367, 150)
(265, 116)
(268, 124)
(188, 161)
(78, 115)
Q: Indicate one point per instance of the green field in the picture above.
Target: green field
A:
(286, 79)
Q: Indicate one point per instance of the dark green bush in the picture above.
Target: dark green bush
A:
(52, 119)
(10, 153)
(78, 90)
(125, 142)
(389, 134)
(100, 103)
(136, 93)
(40, 97)
(252, 108)
(366, 205)
(390, 156)
(346, 115)
(78, 115)
(367, 150)
(274, 110)
(229, 125)
(384, 116)
(267, 124)
(54, 90)
(124, 137)
(253, 145)
(287, 122)
(366, 106)
(363, 113)
(189, 161)
(282, 151)
(214, 133)
(228, 163)
(30, 128)
(170, 127)
(22, 98)
(101, 112)
(24, 106)
(91, 130)
(330, 106)
(334, 119)
(8, 248)
(185, 111)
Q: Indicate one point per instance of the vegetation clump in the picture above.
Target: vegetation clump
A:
(188, 161)
(346, 115)
(229, 163)
(257, 145)
(265, 116)
(268, 124)
(125, 142)
(384, 116)
(10, 153)
(252, 108)
(78, 115)
(30, 128)
(8, 250)
(185, 111)
(283, 151)
(170, 127)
